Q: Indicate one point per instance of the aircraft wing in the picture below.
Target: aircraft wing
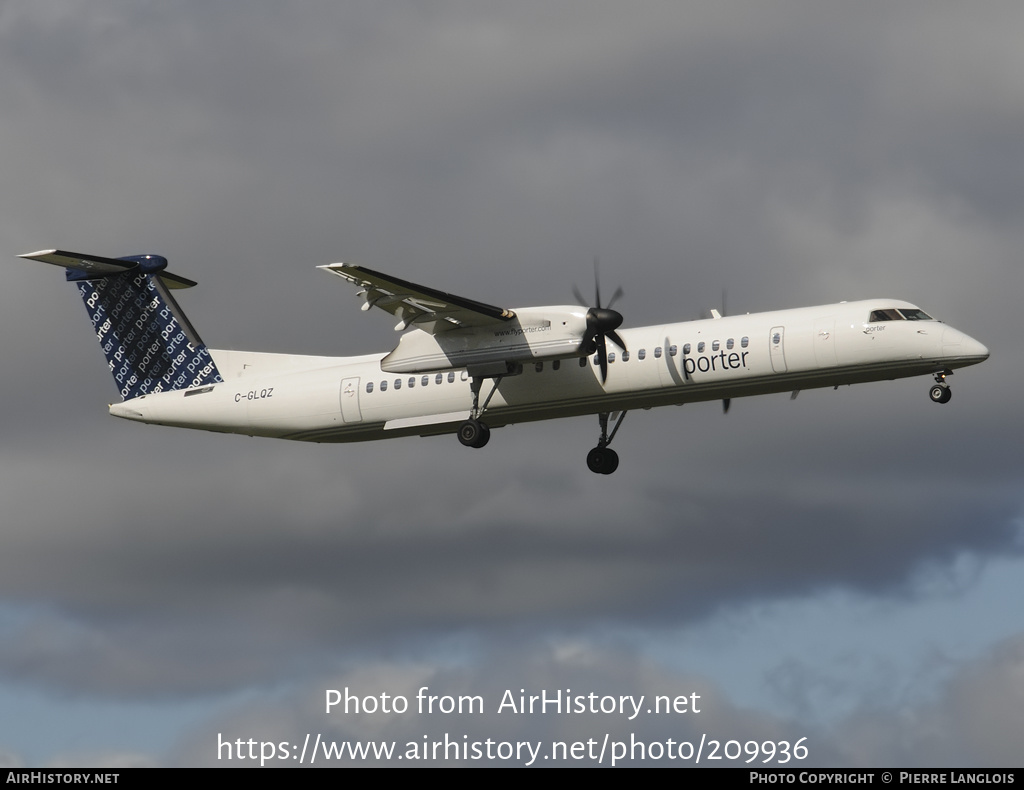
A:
(416, 305)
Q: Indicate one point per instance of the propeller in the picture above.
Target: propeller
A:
(602, 322)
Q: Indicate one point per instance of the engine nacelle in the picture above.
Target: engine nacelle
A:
(536, 333)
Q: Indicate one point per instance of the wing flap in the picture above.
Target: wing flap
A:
(422, 422)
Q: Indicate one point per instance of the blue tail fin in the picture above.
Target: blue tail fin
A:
(149, 343)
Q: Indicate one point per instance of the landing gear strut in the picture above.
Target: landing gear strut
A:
(473, 432)
(940, 391)
(602, 459)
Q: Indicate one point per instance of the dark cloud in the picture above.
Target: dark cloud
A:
(246, 556)
(971, 721)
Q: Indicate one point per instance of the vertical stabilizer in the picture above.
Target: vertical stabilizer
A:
(149, 343)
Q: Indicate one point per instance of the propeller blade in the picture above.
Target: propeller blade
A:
(597, 285)
(602, 322)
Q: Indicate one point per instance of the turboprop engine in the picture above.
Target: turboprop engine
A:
(536, 333)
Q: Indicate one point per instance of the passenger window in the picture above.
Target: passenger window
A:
(729, 344)
(383, 386)
(539, 367)
(583, 362)
(714, 345)
(412, 382)
(369, 386)
(686, 349)
(641, 354)
(398, 384)
(745, 342)
(625, 356)
(439, 378)
(611, 357)
(657, 353)
(425, 381)
(672, 351)
(556, 364)
(451, 376)
(700, 347)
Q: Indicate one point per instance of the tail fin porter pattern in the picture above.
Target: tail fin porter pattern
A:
(149, 343)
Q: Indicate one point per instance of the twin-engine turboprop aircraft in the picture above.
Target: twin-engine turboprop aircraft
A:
(465, 367)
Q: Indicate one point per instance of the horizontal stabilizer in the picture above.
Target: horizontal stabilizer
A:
(81, 267)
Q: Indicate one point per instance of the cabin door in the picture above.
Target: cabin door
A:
(778, 352)
(350, 400)
(825, 342)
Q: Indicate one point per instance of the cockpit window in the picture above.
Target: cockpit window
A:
(903, 314)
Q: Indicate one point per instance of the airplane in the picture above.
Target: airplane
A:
(464, 367)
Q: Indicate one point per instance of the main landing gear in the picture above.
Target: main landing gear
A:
(473, 432)
(602, 460)
(940, 391)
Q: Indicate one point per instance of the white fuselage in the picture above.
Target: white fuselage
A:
(341, 399)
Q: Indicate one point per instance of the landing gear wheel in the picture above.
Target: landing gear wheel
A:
(940, 393)
(473, 433)
(602, 460)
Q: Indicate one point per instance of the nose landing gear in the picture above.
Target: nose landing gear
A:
(940, 391)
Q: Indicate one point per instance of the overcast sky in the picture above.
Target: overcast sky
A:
(844, 568)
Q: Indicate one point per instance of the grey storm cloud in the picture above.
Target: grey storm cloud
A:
(972, 720)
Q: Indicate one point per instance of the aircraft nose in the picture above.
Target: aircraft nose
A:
(973, 348)
(956, 344)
